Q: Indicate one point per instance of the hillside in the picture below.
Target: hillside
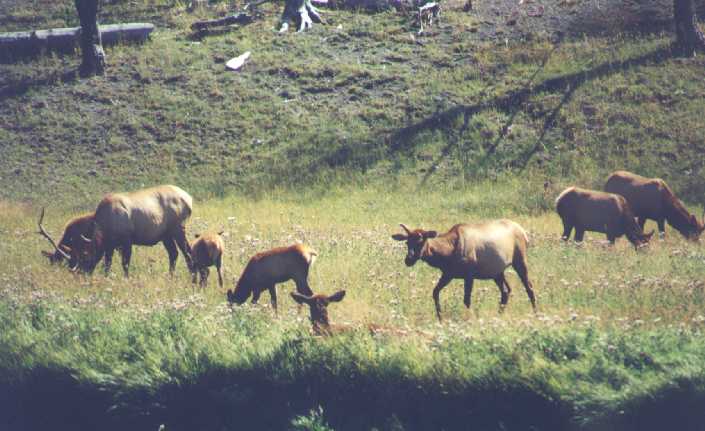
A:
(360, 99)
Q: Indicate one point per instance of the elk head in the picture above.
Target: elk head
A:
(318, 306)
(93, 250)
(60, 252)
(415, 242)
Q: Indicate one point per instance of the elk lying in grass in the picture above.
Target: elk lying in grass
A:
(266, 269)
(318, 306)
(590, 210)
(471, 251)
(207, 250)
(72, 246)
(143, 217)
(651, 198)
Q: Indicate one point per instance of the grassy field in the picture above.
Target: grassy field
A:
(333, 137)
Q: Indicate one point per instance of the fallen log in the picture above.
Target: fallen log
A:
(27, 43)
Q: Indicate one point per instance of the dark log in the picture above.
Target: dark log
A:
(26, 43)
(238, 18)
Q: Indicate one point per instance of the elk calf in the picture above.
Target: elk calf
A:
(265, 270)
(207, 250)
(469, 252)
(318, 306)
(72, 246)
(651, 198)
(590, 210)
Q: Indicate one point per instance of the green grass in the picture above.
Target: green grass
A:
(333, 137)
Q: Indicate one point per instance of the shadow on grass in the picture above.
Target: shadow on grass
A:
(404, 139)
(17, 89)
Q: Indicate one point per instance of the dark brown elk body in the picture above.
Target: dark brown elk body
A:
(265, 270)
(72, 242)
(651, 198)
(207, 250)
(590, 210)
(469, 252)
(144, 217)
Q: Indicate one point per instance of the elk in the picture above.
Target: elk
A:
(590, 210)
(651, 198)
(71, 247)
(471, 251)
(266, 269)
(318, 307)
(143, 217)
(207, 250)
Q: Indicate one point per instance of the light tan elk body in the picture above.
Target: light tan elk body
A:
(207, 250)
(72, 246)
(471, 251)
(595, 211)
(144, 217)
(265, 270)
(651, 198)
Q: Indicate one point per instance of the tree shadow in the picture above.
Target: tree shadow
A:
(17, 89)
(511, 103)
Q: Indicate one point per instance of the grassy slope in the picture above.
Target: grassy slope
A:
(344, 113)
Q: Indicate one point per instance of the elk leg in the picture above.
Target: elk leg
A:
(567, 228)
(519, 266)
(255, 295)
(442, 282)
(108, 259)
(467, 291)
(204, 277)
(579, 234)
(126, 252)
(170, 246)
(273, 297)
(503, 291)
(661, 227)
(218, 265)
(180, 238)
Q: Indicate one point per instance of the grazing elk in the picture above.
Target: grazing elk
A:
(318, 306)
(143, 217)
(651, 198)
(266, 269)
(71, 247)
(469, 252)
(207, 250)
(590, 210)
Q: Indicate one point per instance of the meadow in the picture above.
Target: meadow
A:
(334, 137)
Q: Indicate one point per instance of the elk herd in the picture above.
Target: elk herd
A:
(480, 251)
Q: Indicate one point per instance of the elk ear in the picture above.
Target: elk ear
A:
(430, 234)
(301, 299)
(400, 237)
(337, 296)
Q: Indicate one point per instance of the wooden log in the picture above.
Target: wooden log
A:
(27, 43)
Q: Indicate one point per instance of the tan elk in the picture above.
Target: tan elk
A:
(72, 246)
(651, 198)
(143, 217)
(207, 250)
(595, 211)
(266, 269)
(471, 251)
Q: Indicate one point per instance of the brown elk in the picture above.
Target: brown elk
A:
(266, 269)
(71, 247)
(590, 210)
(207, 250)
(471, 251)
(318, 307)
(144, 217)
(651, 198)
